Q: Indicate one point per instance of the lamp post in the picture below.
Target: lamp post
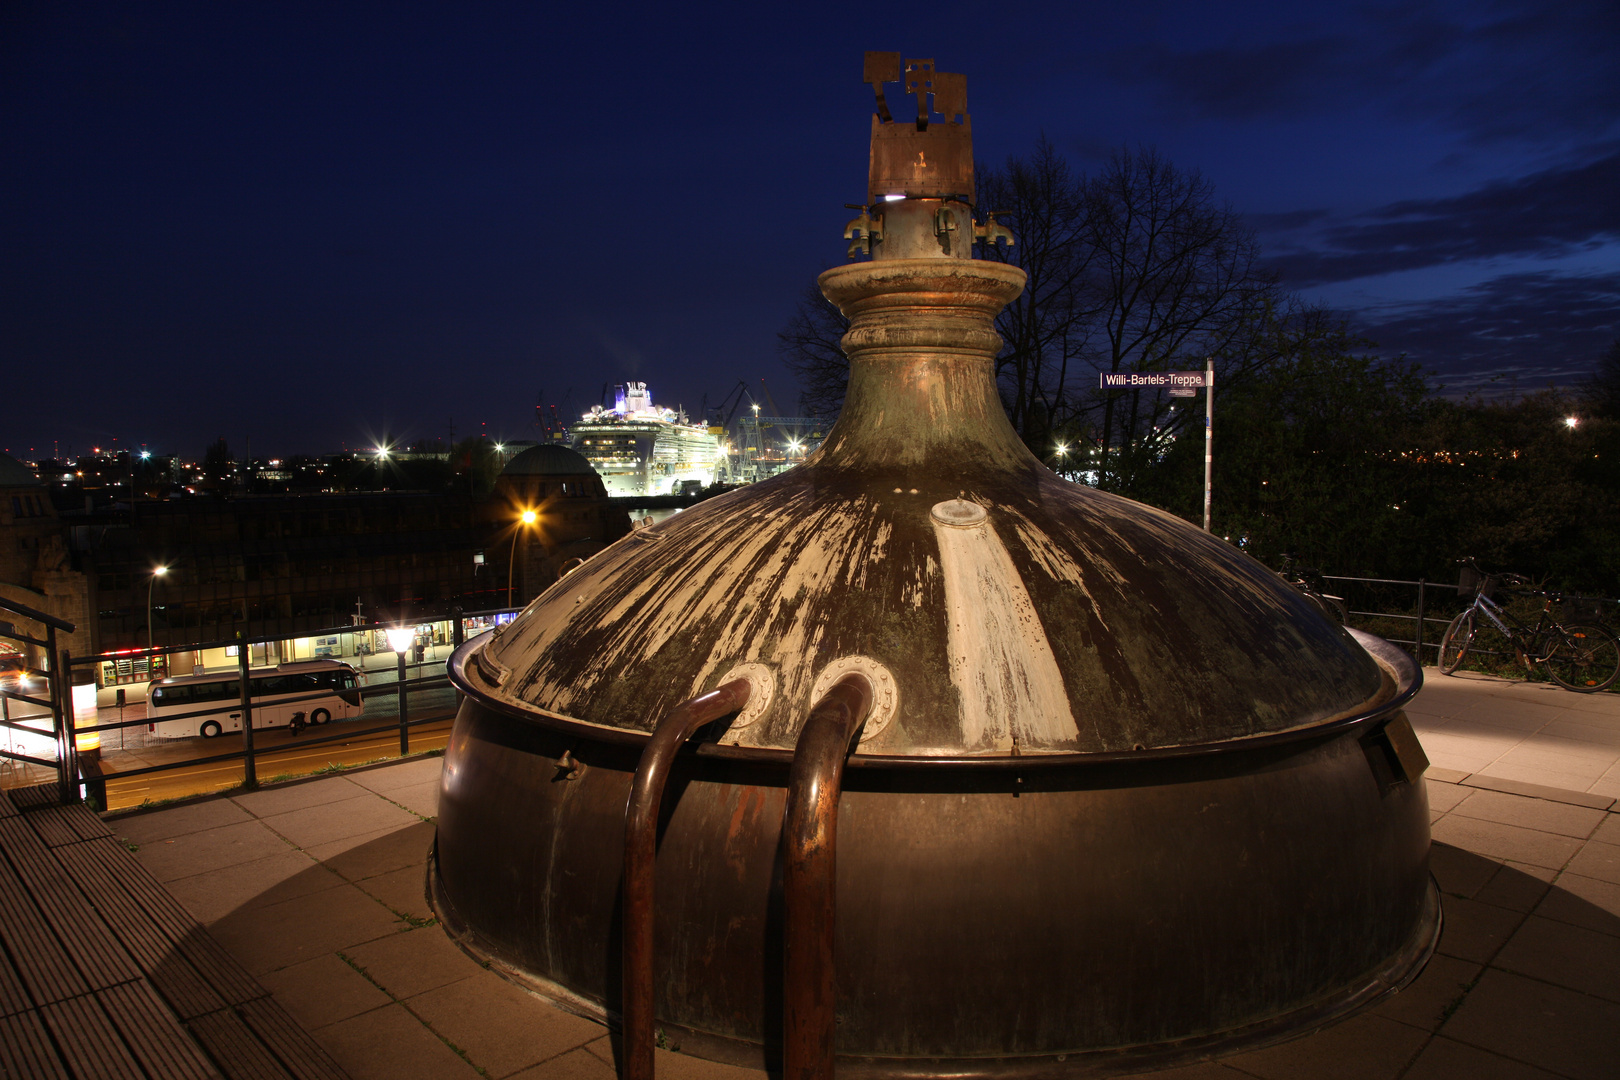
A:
(157, 572)
(399, 639)
(528, 517)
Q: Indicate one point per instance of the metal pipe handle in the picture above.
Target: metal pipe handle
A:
(809, 878)
(640, 855)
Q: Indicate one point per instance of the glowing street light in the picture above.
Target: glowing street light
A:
(528, 517)
(1571, 422)
(399, 639)
(157, 572)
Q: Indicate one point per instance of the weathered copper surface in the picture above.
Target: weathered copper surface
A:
(1123, 796)
(927, 158)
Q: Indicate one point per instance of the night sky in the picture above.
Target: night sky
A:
(308, 227)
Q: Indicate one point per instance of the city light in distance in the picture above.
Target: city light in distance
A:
(1571, 421)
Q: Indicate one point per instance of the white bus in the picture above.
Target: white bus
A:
(320, 689)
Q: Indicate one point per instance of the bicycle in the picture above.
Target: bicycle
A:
(1579, 656)
(1309, 582)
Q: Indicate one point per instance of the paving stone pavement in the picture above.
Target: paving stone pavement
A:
(317, 887)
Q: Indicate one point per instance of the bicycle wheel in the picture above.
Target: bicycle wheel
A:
(1454, 645)
(1584, 658)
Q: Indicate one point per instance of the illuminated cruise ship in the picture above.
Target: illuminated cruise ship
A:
(638, 449)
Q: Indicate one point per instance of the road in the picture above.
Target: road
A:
(277, 757)
(277, 753)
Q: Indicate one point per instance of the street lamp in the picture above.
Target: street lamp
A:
(1571, 422)
(157, 572)
(399, 639)
(528, 517)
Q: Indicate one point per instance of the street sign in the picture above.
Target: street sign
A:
(1180, 383)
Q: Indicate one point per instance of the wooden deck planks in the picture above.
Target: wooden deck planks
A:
(103, 974)
(186, 991)
(43, 964)
(14, 997)
(25, 798)
(89, 1041)
(82, 932)
(67, 824)
(229, 1039)
(302, 1054)
(162, 1046)
(51, 823)
(222, 971)
(26, 1050)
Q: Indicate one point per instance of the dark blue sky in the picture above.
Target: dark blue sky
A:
(319, 225)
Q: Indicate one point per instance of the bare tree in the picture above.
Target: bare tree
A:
(1048, 329)
(1134, 269)
(1177, 281)
(810, 347)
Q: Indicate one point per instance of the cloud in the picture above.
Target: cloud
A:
(1532, 328)
(1529, 70)
(1287, 220)
(1546, 214)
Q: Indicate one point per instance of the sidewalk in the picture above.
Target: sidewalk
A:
(1524, 733)
(316, 887)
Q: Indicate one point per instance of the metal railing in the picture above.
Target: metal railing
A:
(81, 773)
(58, 701)
(1420, 618)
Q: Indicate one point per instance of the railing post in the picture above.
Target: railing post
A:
(86, 761)
(404, 719)
(640, 862)
(1418, 637)
(59, 725)
(67, 767)
(809, 878)
(250, 768)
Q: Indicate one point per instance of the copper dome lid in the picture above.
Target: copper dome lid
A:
(999, 608)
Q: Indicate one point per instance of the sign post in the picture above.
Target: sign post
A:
(1180, 384)
(1209, 432)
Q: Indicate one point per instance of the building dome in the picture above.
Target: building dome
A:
(548, 460)
(14, 474)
